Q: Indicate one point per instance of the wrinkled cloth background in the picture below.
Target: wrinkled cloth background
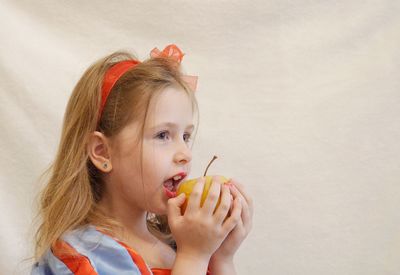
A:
(299, 99)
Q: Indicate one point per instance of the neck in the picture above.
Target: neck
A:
(133, 220)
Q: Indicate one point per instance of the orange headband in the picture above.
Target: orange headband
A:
(116, 71)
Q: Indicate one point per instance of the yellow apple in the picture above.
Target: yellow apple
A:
(186, 187)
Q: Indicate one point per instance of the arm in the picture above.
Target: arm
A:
(200, 231)
(222, 267)
(185, 264)
(221, 262)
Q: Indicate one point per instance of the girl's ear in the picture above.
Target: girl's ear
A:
(98, 149)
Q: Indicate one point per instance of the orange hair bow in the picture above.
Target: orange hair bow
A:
(116, 71)
(174, 52)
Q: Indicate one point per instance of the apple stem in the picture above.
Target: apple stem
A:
(214, 158)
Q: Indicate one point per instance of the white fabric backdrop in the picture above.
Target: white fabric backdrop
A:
(299, 99)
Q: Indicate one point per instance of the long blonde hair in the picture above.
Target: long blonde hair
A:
(74, 187)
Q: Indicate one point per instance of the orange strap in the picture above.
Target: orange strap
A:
(77, 263)
(137, 259)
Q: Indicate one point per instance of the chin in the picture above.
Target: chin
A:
(159, 210)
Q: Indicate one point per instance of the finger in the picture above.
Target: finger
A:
(174, 206)
(231, 207)
(234, 218)
(213, 195)
(236, 193)
(248, 208)
(195, 196)
(246, 196)
(246, 215)
(225, 205)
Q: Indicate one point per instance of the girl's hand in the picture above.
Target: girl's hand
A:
(232, 242)
(199, 232)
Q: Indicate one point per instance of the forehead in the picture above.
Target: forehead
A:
(170, 105)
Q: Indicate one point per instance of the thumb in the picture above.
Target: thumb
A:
(174, 205)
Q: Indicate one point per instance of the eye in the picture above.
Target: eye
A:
(162, 135)
(188, 137)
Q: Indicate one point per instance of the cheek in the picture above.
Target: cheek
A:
(154, 157)
(129, 167)
(127, 174)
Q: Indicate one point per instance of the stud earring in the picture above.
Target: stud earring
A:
(105, 165)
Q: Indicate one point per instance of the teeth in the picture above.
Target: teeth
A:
(178, 177)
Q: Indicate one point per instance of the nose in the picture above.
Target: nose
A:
(183, 154)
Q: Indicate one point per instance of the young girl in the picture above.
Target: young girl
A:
(109, 206)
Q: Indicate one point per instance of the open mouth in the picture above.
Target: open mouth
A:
(171, 185)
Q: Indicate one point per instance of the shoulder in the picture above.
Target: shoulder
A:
(88, 251)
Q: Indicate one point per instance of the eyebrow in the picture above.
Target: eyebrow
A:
(171, 125)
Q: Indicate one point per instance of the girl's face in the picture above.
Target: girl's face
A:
(166, 152)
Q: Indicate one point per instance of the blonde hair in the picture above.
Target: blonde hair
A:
(70, 198)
